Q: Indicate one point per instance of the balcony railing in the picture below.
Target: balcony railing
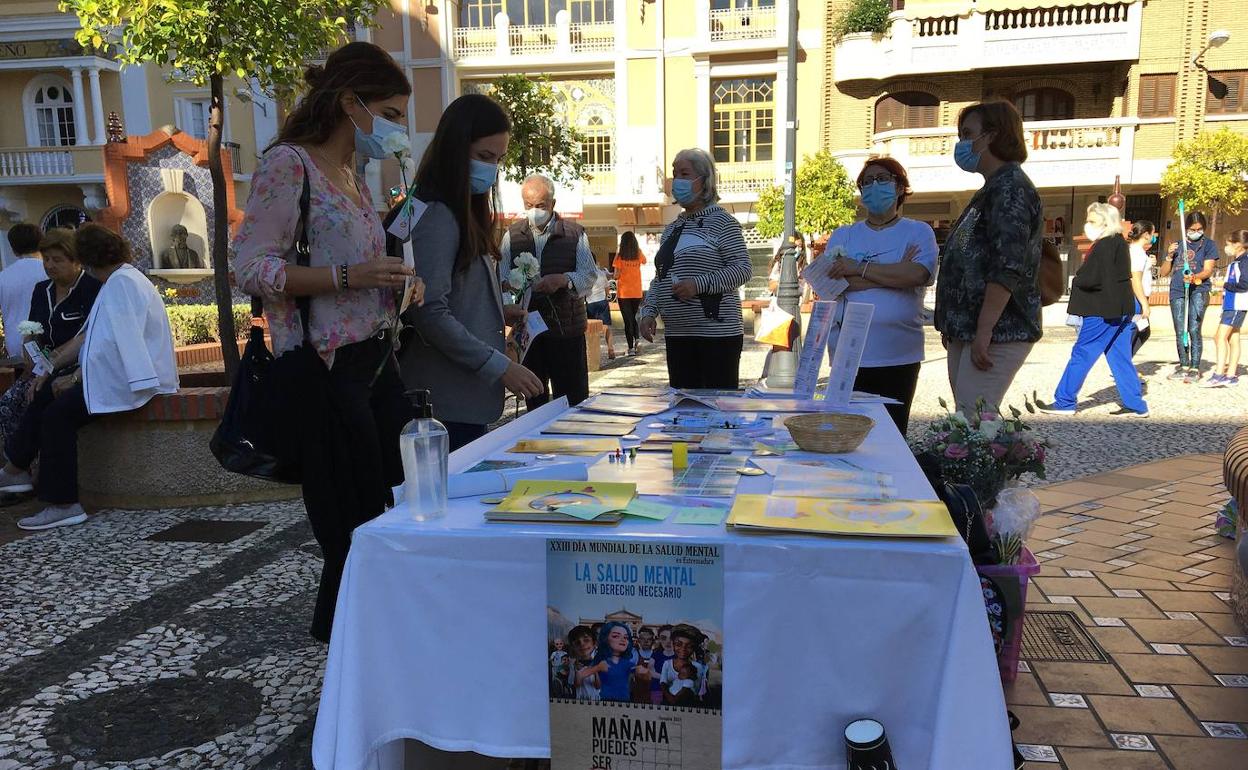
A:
(504, 39)
(1036, 18)
(20, 164)
(599, 179)
(743, 23)
(746, 177)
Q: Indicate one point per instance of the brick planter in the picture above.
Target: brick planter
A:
(158, 457)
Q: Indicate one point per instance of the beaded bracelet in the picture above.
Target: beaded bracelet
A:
(346, 280)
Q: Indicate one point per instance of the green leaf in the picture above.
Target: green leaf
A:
(825, 199)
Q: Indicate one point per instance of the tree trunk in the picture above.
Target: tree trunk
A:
(221, 231)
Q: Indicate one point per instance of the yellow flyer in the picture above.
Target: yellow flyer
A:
(890, 518)
(541, 495)
(566, 446)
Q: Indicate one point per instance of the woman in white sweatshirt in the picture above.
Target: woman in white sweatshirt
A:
(126, 359)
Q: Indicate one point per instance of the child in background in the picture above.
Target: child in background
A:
(614, 663)
(683, 689)
(645, 659)
(686, 649)
(661, 656)
(558, 670)
(1234, 309)
(582, 677)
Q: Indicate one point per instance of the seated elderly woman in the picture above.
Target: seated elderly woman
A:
(58, 312)
(126, 359)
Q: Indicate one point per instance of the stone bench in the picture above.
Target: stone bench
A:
(158, 457)
(1235, 474)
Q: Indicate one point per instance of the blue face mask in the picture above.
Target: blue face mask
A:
(1154, 239)
(682, 191)
(965, 156)
(369, 145)
(879, 197)
(481, 175)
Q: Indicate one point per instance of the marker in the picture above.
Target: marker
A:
(680, 455)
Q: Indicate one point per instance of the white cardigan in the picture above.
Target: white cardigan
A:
(127, 357)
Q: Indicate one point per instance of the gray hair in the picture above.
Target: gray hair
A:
(704, 167)
(543, 180)
(1106, 216)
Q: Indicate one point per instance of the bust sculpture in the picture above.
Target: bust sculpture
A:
(179, 256)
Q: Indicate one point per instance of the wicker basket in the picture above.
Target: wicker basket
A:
(830, 432)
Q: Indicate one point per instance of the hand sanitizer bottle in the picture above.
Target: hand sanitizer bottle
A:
(424, 447)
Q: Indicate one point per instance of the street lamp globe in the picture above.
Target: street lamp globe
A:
(1218, 37)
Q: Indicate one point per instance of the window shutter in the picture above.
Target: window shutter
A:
(1156, 96)
(1233, 102)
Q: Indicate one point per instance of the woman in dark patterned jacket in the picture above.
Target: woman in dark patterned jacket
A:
(987, 298)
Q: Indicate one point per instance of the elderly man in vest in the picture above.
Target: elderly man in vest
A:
(568, 271)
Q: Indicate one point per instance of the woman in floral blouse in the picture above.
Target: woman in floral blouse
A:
(349, 420)
(987, 298)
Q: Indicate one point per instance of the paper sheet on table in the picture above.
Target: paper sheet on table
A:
(773, 464)
(892, 518)
(586, 512)
(816, 275)
(849, 347)
(502, 480)
(814, 342)
(707, 516)
(648, 510)
(805, 481)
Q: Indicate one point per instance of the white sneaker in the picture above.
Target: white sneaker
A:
(55, 516)
(15, 482)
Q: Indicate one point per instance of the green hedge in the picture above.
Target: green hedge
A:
(863, 16)
(193, 324)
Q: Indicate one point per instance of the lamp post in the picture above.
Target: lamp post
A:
(782, 372)
(1216, 38)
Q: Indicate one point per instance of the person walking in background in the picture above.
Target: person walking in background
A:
(701, 263)
(777, 263)
(17, 281)
(628, 286)
(597, 306)
(987, 296)
(127, 359)
(889, 260)
(1234, 309)
(1189, 294)
(1142, 236)
(456, 348)
(557, 355)
(344, 406)
(60, 306)
(1101, 293)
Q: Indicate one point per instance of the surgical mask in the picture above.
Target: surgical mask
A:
(879, 197)
(1195, 235)
(1092, 231)
(537, 217)
(965, 156)
(1230, 251)
(481, 175)
(682, 191)
(1154, 240)
(369, 145)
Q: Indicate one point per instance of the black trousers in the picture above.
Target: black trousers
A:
(348, 478)
(628, 311)
(704, 362)
(49, 430)
(561, 365)
(460, 434)
(896, 382)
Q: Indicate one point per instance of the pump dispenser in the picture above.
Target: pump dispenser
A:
(424, 447)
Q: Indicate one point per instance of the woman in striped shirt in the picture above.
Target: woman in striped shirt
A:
(701, 264)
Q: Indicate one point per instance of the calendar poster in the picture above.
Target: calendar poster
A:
(634, 649)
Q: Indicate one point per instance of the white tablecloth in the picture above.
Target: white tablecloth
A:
(441, 626)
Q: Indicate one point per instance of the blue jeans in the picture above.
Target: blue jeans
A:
(1102, 337)
(1189, 355)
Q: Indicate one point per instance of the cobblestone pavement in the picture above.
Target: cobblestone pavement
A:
(123, 647)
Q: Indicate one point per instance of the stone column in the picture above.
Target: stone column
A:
(97, 105)
(80, 109)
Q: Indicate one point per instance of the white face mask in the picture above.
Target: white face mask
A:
(537, 217)
(1093, 232)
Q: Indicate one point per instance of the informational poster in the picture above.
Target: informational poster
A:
(817, 331)
(849, 347)
(634, 651)
(816, 274)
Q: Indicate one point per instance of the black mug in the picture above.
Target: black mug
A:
(866, 746)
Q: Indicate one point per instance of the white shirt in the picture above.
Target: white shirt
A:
(599, 292)
(127, 357)
(17, 284)
(896, 333)
(1139, 264)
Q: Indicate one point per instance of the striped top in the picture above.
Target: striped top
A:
(712, 253)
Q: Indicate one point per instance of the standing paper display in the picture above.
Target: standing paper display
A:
(619, 699)
(817, 332)
(849, 347)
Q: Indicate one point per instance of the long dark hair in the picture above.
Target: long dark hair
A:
(629, 250)
(443, 172)
(362, 68)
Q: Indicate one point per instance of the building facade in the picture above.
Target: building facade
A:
(1106, 90)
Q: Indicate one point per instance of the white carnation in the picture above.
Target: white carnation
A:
(517, 279)
(30, 328)
(990, 428)
(396, 143)
(528, 265)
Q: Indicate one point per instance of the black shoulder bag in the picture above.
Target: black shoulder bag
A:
(251, 439)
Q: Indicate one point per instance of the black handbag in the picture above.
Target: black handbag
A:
(253, 438)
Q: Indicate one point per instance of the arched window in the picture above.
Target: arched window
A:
(50, 113)
(72, 217)
(906, 109)
(1045, 104)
